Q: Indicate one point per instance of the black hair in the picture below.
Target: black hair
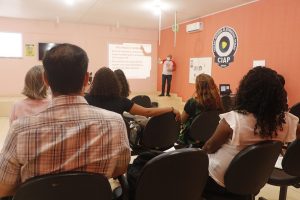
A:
(281, 79)
(261, 93)
(66, 66)
(105, 83)
(125, 90)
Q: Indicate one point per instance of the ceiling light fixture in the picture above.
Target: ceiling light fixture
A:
(157, 7)
(70, 2)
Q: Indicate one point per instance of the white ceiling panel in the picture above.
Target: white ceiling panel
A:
(125, 13)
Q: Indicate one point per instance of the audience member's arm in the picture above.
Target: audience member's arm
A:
(12, 116)
(122, 150)
(10, 167)
(151, 112)
(221, 135)
(184, 117)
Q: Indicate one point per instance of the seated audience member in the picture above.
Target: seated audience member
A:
(206, 98)
(125, 90)
(36, 92)
(260, 115)
(105, 93)
(69, 135)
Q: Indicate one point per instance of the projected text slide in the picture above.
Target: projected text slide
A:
(134, 59)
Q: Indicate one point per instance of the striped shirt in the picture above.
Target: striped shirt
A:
(69, 135)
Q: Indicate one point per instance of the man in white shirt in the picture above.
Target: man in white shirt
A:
(168, 67)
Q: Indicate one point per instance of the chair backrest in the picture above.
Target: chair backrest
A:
(65, 186)
(177, 175)
(161, 132)
(295, 110)
(228, 102)
(142, 100)
(204, 125)
(291, 160)
(251, 168)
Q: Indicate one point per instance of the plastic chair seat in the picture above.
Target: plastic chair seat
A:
(280, 178)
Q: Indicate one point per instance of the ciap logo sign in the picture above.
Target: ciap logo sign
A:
(224, 46)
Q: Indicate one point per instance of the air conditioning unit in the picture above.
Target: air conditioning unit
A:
(197, 26)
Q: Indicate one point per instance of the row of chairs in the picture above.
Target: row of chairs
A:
(176, 172)
(161, 132)
(177, 175)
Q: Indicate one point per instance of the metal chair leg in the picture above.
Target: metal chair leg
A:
(283, 192)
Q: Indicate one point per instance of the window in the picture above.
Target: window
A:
(11, 45)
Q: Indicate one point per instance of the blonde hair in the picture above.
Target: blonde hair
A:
(34, 86)
(207, 94)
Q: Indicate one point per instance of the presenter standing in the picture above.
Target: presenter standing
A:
(168, 68)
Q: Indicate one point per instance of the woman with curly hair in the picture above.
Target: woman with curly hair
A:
(260, 114)
(105, 93)
(206, 98)
(125, 90)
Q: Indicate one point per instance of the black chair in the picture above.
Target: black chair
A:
(203, 127)
(249, 171)
(290, 173)
(176, 175)
(295, 110)
(228, 103)
(65, 186)
(142, 100)
(160, 133)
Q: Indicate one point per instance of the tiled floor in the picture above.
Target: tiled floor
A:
(269, 192)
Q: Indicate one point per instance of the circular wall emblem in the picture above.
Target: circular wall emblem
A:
(224, 46)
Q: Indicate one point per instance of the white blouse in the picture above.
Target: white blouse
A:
(243, 136)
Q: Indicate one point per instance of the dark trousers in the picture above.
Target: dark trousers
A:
(212, 188)
(165, 78)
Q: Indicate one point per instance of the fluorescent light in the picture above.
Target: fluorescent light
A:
(157, 12)
(156, 6)
(70, 2)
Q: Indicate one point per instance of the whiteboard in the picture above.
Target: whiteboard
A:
(198, 66)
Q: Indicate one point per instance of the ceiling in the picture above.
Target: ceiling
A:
(119, 13)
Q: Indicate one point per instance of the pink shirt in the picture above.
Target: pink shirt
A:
(27, 107)
(243, 136)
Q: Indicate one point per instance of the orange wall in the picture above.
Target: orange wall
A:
(267, 30)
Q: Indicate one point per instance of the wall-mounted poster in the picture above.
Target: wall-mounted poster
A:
(29, 50)
(199, 66)
(225, 44)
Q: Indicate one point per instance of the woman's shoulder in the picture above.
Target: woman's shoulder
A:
(290, 116)
(24, 102)
(237, 115)
(191, 100)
